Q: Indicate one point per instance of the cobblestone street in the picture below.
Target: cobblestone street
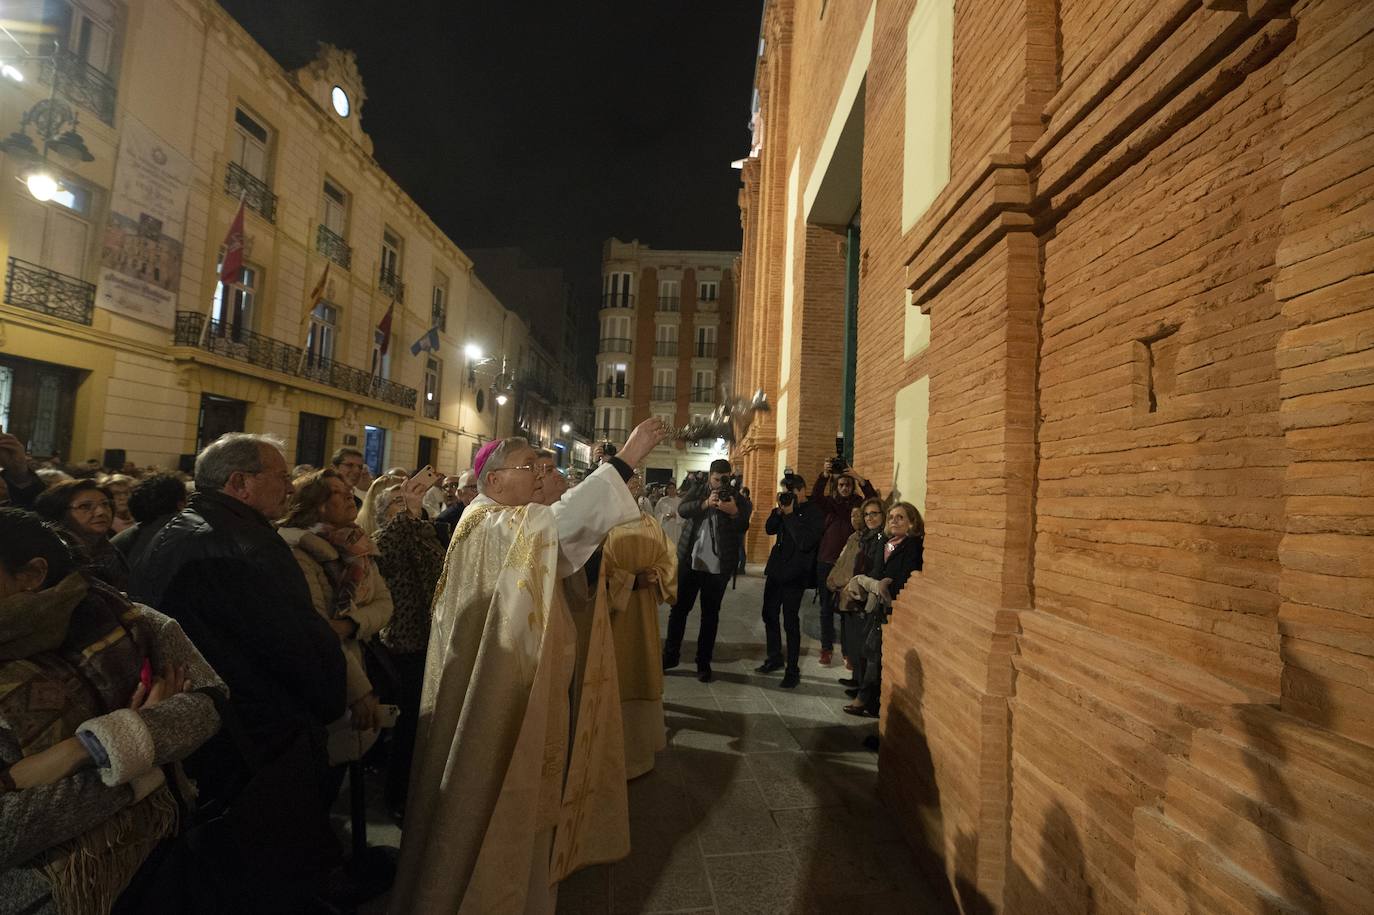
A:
(765, 800)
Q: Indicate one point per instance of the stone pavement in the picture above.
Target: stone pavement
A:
(764, 802)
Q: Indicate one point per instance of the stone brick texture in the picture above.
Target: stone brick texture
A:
(1136, 672)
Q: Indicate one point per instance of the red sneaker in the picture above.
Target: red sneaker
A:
(826, 656)
(848, 664)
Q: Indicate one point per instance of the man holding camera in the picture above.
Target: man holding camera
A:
(791, 564)
(715, 517)
(836, 509)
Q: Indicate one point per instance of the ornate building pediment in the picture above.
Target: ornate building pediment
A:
(333, 82)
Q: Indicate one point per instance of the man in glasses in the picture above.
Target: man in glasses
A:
(492, 824)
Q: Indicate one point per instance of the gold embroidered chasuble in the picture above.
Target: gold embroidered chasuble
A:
(491, 823)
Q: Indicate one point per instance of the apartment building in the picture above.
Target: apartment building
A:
(663, 348)
(116, 335)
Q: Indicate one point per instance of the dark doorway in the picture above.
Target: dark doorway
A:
(219, 415)
(38, 404)
(374, 448)
(429, 451)
(312, 439)
(658, 475)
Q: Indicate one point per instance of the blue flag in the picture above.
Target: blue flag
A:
(428, 343)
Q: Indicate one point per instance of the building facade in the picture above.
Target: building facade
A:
(119, 339)
(663, 349)
(1089, 284)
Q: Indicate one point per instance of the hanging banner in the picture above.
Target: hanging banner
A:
(140, 257)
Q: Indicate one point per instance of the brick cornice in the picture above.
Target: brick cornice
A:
(1152, 85)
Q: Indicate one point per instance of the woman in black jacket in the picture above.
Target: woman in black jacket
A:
(901, 556)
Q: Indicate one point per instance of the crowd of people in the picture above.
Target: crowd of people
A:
(200, 660)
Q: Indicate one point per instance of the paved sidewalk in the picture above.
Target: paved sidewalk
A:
(765, 800)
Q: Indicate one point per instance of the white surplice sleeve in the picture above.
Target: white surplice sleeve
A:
(587, 512)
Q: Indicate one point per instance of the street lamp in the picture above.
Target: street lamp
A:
(54, 122)
(473, 352)
(566, 428)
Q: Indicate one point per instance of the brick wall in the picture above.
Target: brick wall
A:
(1136, 672)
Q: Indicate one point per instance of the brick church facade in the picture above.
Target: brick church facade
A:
(1106, 269)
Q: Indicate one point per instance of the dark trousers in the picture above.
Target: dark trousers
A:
(872, 688)
(690, 583)
(827, 606)
(784, 599)
(410, 670)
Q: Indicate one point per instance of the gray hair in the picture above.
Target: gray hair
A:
(230, 453)
(497, 459)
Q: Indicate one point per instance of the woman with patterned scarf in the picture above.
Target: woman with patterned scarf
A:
(339, 562)
(101, 699)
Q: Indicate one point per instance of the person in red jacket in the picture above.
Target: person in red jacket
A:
(848, 493)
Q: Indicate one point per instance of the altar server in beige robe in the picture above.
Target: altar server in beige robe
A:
(499, 809)
(638, 573)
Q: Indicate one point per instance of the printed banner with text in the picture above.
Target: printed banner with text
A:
(140, 257)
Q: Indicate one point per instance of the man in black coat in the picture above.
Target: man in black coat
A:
(707, 551)
(220, 569)
(797, 524)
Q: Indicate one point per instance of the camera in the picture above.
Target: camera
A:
(608, 449)
(838, 464)
(786, 498)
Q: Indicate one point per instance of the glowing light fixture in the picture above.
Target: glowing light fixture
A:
(472, 351)
(501, 399)
(42, 185)
(566, 428)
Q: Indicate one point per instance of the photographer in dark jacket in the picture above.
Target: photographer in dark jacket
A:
(220, 570)
(837, 507)
(791, 564)
(715, 518)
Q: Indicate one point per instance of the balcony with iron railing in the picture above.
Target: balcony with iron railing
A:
(606, 434)
(665, 348)
(390, 285)
(704, 350)
(332, 245)
(80, 83)
(430, 409)
(48, 292)
(669, 303)
(242, 345)
(612, 389)
(708, 305)
(664, 392)
(614, 345)
(256, 195)
(617, 300)
(702, 395)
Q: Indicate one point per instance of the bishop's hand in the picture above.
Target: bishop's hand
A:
(643, 439)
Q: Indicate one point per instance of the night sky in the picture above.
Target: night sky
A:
(549, 125)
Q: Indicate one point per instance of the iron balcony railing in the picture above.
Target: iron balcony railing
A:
(438, 316)
(613, 389)
(702, 395)
(332, 245)
(389, 282)
(242, 345)
(48, 292)
(669, 303)
(705, 350)
(540, 387)
(80, 83)
(431, 409)
(614, 436)
(240, 182)
(708, 304)
(665, 347)
(665, 393)
(614, 345)
(617, 300)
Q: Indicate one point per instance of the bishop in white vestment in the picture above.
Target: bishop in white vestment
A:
(500, 807)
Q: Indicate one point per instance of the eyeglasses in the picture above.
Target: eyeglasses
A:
(87, 508)
(537, 469)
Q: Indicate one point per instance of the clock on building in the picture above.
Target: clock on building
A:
(340, 99)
